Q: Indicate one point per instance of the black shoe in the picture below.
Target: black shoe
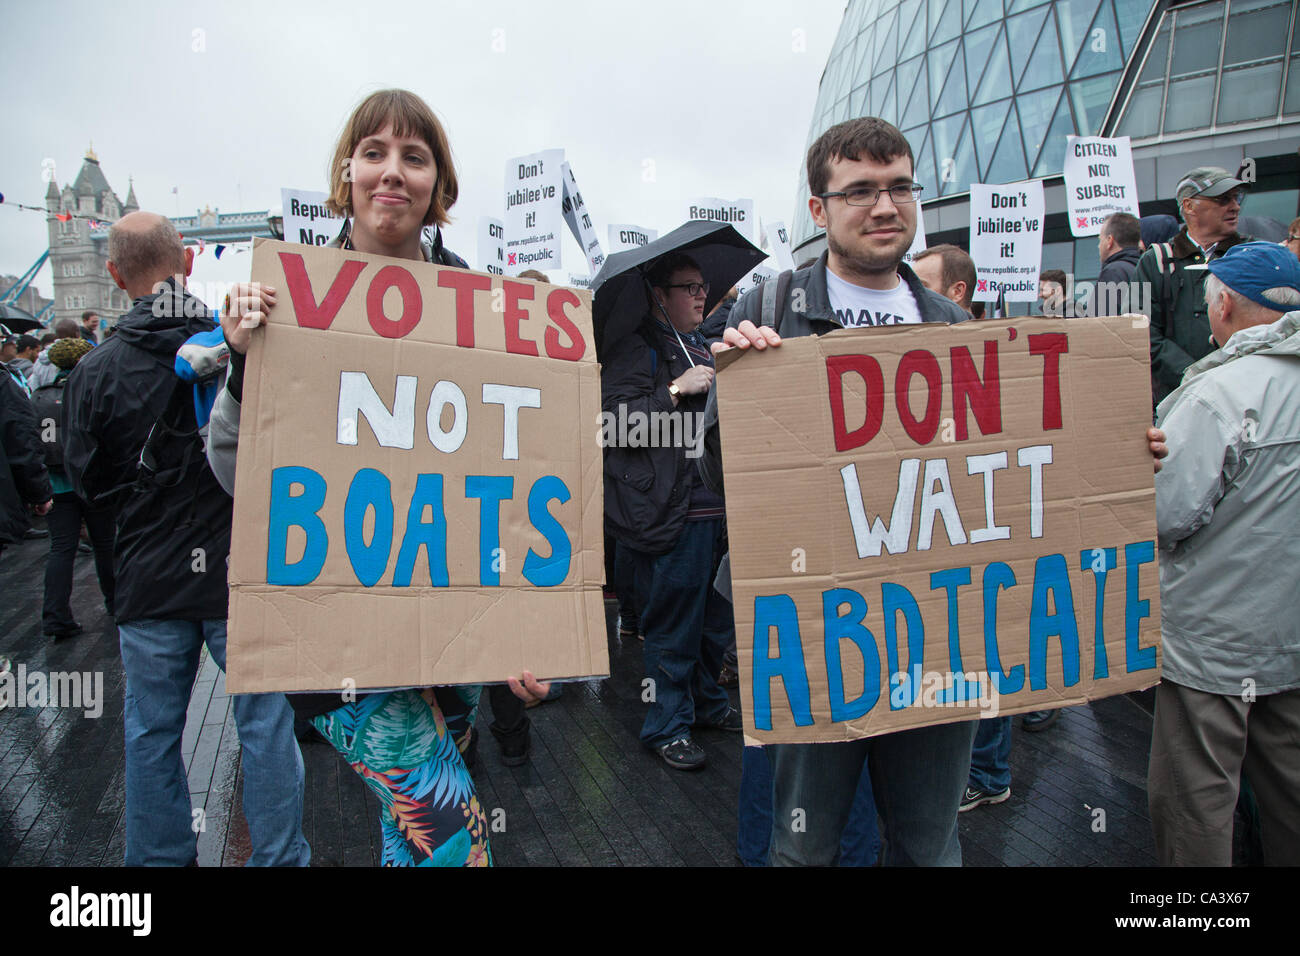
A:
(728, 677)
(731, 721)
(59, 633)
(514, 753)
(683, 754)
(626, 631)
(31, 534)
(974, 797)
(1037, 720)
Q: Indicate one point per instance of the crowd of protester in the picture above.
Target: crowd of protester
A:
(148, 471)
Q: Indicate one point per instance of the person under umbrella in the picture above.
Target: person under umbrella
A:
(669, 528)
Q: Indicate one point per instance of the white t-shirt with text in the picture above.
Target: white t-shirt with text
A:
(855, 306)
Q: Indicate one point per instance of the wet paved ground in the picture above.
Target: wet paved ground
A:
(590, 796)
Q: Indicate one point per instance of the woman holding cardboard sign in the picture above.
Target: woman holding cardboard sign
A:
(393, 175)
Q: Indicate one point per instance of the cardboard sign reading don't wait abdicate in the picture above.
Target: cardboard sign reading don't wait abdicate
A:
(934, 523)
(418, 497)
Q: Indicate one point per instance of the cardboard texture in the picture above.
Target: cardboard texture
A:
(380, 543)
(846, 632)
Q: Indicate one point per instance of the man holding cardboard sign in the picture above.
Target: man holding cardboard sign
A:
(826, 439)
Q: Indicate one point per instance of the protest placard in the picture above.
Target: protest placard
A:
(1006, 239)
(306, 219)
(418, 497)
(738, 212)
(579, 220)
(624, 236)
(755, 277)
(534, 189)
(778, 237)
(491, 246)
(1099, 181)
(935, 523)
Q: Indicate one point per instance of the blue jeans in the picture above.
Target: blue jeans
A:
(917, 779)
(990, 769)
(160, 659)
(859, 843)
(688, 627)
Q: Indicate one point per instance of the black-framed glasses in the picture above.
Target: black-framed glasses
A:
(692, 288)
(900, 195)
(1293, 238)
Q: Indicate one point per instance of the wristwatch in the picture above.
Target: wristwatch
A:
(674, 391)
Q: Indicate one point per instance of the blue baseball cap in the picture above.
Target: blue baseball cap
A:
(1252, 268)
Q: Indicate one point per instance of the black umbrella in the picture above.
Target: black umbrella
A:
(18, 320)
(619, 289)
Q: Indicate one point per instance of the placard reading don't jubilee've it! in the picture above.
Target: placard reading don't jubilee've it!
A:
(418, 500)
(935, 523)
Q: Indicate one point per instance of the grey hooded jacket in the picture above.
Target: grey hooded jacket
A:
(1226, 506)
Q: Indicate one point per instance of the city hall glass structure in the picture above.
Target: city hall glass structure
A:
(987, 91)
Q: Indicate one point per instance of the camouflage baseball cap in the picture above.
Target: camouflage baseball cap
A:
(1206, 181)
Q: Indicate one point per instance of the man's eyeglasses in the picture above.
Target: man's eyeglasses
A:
(1293, 238)
(901, 194)
(692, 288)
(1233, 195)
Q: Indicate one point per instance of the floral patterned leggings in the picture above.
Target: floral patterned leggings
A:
(410, 756)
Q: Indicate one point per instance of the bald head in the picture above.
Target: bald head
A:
(144, 249)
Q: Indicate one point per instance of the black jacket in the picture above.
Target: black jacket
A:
(24, 479)
(716, 322)
(1180, 319)
(816, 318)
(647, 489)
(1121, 266)
(173, 519)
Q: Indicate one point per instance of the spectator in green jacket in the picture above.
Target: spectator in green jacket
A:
(1209, 200)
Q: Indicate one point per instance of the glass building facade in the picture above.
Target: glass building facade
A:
(986, 91)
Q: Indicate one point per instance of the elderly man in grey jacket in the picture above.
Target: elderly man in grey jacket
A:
(1230, 541)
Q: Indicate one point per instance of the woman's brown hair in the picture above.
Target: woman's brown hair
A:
(409, 115)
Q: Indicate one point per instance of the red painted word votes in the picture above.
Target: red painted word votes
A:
(312, 315)
(981, 394)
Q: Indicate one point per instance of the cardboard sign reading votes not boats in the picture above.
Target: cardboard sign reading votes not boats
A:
(938, 523)
(418, 499)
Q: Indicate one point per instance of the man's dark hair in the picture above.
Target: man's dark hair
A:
(1052, 275)
(1124, 228)
(870, 135)
(956, 267)
(47, 338)
(661, 273)
(87, 314)
(26, 342)
(67, 329)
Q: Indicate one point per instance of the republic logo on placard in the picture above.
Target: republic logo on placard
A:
(305, 218)
(737, 212)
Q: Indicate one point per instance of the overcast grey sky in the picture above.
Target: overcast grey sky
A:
(230, 101)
